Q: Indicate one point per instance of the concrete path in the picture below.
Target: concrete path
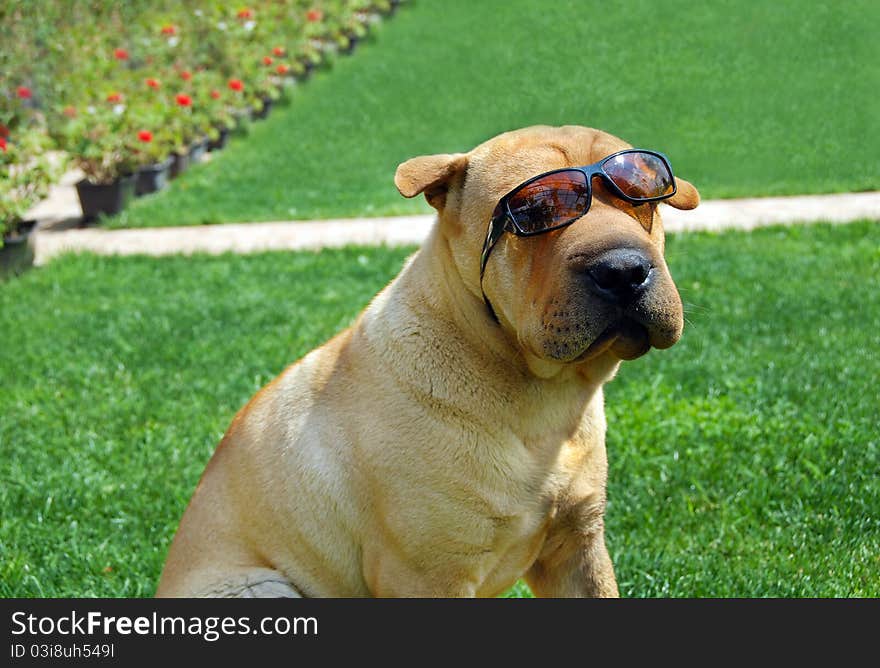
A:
(60, 212)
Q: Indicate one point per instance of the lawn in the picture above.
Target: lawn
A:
(743, 461)
(747, 98)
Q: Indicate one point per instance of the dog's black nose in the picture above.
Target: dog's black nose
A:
(619, 274)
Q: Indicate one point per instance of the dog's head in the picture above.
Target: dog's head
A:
(597, 287)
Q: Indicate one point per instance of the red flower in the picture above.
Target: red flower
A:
(282, 69)
(215, 94)
(246, 13)
(145, 136)
(184, 100)
(70, 112)
(169, 29)
(3, 144)
(186, 75)
(4, 131)
(153, 83)
(314, 15)
(236, 84)
(120, 54)
(24, 93)
(278, 51)
(114, 97)
(267, 60)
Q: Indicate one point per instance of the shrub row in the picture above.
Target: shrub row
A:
(120, 86)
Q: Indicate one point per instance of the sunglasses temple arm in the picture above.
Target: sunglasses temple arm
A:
(496, 228)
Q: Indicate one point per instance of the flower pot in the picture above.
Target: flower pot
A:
(390, 9)
(17, 253)
(352, 43)
(108, 199)
(308, 68)
(197, 151)
(267, 107)
(152, 178)
(220, 142)
(242, 118)
(179, 164)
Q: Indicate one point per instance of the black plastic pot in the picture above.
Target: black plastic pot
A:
(242, 118)
(267, 107)
(308, 68)
(108, 199)
(17, 253)
(352, 43)
(197, 151)
(220, 142)
(179, 164)
(152, 178)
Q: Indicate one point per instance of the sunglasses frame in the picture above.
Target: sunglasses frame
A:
(504, 221)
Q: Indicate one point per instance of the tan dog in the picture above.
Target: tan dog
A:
(429, 450)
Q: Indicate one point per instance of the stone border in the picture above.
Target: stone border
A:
(712, 215)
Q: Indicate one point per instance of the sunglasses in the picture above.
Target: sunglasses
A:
(555, 199)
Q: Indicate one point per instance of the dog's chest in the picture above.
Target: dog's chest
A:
(516, 545)
(523, 515)
(474, 535)
(465, 511)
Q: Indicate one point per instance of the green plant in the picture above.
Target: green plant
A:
(100, 141)
(26, 173)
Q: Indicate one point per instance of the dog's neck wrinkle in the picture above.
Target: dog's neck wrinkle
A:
(442, 287)
(468, 308)
(456, 347)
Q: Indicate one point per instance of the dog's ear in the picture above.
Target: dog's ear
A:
(686, 195)
(429, 174)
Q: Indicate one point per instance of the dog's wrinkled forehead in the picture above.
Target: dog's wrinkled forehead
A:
(509, 159)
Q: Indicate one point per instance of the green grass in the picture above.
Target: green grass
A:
(743, 461)
(747, 98)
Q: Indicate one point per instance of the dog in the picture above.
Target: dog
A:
(452, 440)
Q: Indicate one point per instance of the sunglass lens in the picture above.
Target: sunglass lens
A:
(640, 175)
(550, 201)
